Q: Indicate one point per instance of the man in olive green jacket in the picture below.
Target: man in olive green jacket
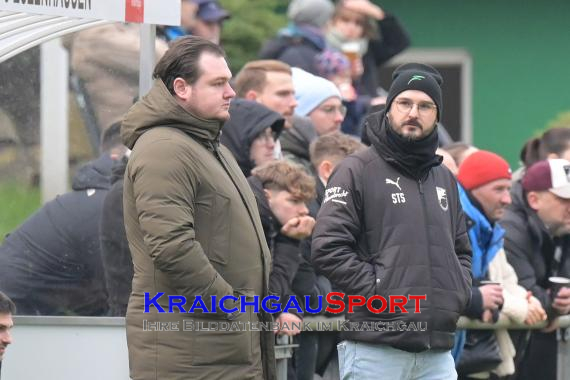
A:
(193, 227)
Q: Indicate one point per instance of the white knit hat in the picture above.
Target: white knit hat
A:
(311, 90)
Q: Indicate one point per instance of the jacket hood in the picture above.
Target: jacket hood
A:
(291, 36)
(297, 140)
(308, 33)
(247, 120)
(118, 170)
(95, 174)
(159, 108)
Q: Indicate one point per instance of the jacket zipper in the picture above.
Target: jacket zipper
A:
(424, 209)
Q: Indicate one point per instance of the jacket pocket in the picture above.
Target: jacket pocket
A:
(378, 282)
(380, 278)
(225, 342)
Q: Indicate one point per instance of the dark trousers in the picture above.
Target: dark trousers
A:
(314, 353)
(539, 360)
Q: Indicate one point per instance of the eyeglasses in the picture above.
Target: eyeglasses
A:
(424, 108)
(266, 136)
(329, 110)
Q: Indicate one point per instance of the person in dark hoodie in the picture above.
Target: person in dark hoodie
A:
(391, 224)
(51, 264)
(250, 133)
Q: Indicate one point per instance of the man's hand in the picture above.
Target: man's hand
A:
(356, 68)
(288, 324)
(535, 312)
(552, 326)
(562, 301)
(492, 296)
(299, 227)
(364, 7)
(487, 316)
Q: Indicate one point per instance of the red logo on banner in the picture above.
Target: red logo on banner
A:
(134, 11)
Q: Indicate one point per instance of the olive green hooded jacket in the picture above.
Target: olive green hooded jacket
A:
(193, 229)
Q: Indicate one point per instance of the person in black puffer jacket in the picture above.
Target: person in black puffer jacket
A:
(391, 224)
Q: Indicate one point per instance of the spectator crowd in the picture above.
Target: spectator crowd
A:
(307, 118)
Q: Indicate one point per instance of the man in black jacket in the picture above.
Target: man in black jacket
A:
(391, 231)
(537, 244)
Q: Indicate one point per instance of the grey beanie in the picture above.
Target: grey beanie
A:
(310, 12)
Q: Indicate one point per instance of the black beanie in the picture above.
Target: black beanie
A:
(416, 76)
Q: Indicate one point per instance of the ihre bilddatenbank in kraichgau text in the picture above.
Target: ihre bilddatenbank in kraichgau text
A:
(337, 302)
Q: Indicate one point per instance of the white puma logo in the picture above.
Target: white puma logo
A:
(390, 182)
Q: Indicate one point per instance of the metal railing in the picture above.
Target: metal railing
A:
(316, 322)
(78, 339)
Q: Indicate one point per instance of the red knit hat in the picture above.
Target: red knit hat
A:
(481, 168)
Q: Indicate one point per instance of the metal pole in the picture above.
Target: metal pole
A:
(54, 135)
(563, 360)
(283, 353)
(147, 57)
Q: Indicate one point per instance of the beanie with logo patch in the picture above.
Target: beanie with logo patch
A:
(416, 76)
(481, 168)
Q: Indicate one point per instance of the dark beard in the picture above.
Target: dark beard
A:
(408, 138)
(413, 157)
